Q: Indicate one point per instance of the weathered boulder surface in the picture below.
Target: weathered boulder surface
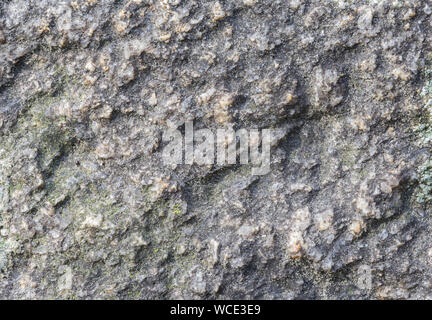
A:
(89, 210)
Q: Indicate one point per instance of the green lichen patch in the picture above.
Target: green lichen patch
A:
(424, 194)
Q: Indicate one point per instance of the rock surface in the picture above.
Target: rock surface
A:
(88, 210)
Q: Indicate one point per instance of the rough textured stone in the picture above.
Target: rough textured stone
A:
(89, 210)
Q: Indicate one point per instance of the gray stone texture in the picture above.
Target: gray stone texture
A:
(88, 210)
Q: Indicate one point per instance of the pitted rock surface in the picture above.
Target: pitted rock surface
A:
(88, 209)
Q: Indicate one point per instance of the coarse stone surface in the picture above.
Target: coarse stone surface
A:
(88, 209)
